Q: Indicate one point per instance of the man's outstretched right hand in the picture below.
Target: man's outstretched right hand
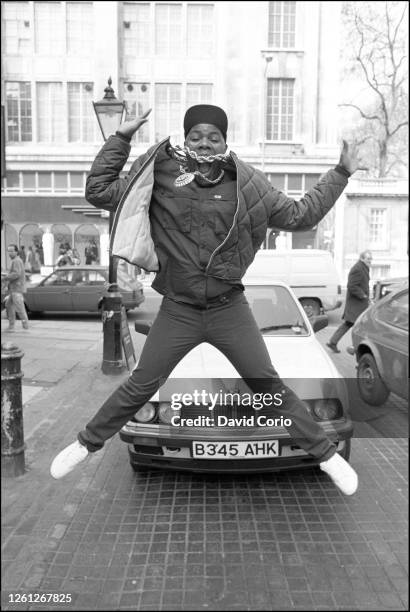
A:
(130, 127)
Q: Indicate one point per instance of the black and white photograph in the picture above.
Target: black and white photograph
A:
(204, 305)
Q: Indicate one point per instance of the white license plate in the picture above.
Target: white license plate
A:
(256, 449)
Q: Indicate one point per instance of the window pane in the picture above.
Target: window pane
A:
(13, 180)
(60, 181)
(50, 112)
(76, 180)
(282, 24)
(278, 181)
(168, 120)
(17, 31)
(136, 30)
(311, 180)
(200, 30)
(18, 105)
(198, 94)
(49, 28)
(29, 181)
(136, 95)
(44, 180)
(279, 119)
(81, 123)
(378, 227)
(168, 29)
(294, 182)
(80, 31)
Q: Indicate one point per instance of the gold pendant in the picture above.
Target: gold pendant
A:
(184, 179)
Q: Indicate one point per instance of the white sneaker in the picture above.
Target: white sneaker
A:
(342, 474)
(68, 459)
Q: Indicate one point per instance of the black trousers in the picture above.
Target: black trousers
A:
(177, 329)
(340, 332)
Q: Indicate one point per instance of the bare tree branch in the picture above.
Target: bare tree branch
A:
(369, 117)
(398, 127)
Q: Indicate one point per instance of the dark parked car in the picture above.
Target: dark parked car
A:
(76, 288)
(380, 342)
(387, 285)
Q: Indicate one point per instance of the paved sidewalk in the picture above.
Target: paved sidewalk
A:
(118, 540)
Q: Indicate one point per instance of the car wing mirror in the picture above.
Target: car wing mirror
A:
(319, 322)
(143, 327)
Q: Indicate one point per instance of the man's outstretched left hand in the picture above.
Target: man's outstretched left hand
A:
(349, 158)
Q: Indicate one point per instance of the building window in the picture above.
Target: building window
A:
(29, 181)
(81, 123)
(49, 28)
(60, 181)
(13, 181)
(198, 93)
(378, 228)
(168, 29)
(44, 181)
(17, 28)
(18, 102)
(136, 96)
(136, 30)
(200, 30)
(295, 182)
(380, 271)
(167, 110)
(279, 120)
(282, 25)
(77, 182)
(80, 31)
(50, 112)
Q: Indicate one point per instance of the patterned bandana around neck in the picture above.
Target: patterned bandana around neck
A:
(188, 166)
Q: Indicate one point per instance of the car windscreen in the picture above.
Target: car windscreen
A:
(275, 310)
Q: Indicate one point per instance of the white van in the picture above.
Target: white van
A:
(311, 273)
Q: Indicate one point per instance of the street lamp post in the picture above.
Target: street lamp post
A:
(268, 58)
(110, 114)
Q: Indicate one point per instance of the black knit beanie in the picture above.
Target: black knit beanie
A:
(206, 113)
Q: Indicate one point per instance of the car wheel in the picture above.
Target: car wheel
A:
(371, 387)
(311, 307)
(345, 453)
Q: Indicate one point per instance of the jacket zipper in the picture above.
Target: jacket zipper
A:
(128, 189)
(233, 222)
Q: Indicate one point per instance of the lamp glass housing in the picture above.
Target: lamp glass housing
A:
(110, 115)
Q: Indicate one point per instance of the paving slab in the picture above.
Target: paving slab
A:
(115, 539)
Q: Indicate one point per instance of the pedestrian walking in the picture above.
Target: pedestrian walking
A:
(16, 278)
(357, 297)
(202, 215)
(22, 254)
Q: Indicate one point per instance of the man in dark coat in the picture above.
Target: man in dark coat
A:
(208, 215)
(357, 297)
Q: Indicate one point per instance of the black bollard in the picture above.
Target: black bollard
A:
(12, 433)
(111, 318)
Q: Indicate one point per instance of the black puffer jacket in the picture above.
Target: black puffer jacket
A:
(259, 206)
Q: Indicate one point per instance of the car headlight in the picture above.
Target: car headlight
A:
(326, 409)
(145, 414)
(166, 412)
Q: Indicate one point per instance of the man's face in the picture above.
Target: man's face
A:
(12, 253)
(205, 139)
(367, 258)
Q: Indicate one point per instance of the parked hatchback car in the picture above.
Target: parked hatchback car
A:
(380, 342)
(171, 433)
(75, 288)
